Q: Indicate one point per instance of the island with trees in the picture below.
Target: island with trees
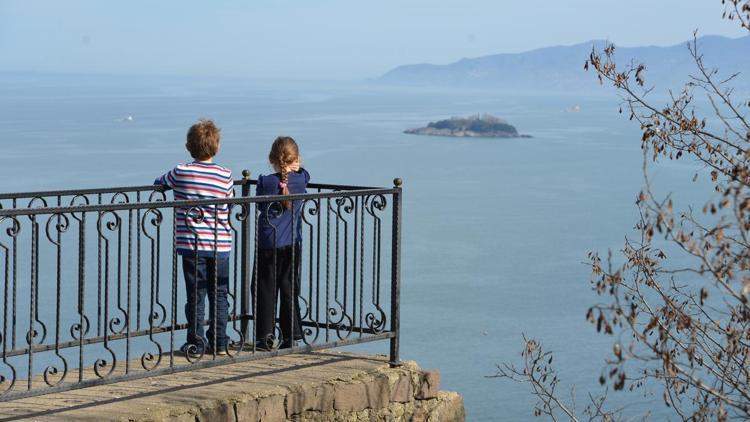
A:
(480, 126)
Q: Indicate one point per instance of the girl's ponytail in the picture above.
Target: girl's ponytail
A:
(284, 152)
(283, 188)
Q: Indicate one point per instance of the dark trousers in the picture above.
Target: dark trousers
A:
(278, 277)
(200, 273)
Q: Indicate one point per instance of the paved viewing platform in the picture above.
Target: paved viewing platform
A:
(95, 311)
(319, 386)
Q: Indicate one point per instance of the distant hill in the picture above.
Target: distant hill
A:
(561, 68)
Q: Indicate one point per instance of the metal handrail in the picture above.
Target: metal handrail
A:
(157, 188)
(342, 230)
(190, 203)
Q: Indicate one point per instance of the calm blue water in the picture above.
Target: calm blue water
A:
(496, 232)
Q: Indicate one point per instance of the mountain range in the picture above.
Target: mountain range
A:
(561, 67)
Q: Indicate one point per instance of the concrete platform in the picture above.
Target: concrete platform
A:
(324, 385)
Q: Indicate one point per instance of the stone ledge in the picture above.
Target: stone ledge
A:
(319, 386)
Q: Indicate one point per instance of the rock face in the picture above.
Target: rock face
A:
(387, 394)
(484, 126)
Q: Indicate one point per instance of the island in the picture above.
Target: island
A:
(479, 126)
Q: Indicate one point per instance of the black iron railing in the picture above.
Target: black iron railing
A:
(93, 294)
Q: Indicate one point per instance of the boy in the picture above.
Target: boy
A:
(203, 238)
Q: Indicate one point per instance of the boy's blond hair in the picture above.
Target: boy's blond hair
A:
(203, 139)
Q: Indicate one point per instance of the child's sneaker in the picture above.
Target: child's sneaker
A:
(266, 345)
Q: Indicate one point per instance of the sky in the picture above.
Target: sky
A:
(322, 39)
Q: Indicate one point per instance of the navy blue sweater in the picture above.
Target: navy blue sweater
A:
(275, 222)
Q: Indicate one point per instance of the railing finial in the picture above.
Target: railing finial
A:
(397, 182)
(246, 174)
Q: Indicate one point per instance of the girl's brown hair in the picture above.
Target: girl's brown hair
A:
(284, 152)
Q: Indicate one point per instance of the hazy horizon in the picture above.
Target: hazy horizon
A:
(337, 40)
(303, 79)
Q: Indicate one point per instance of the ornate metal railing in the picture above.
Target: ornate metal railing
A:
(93, 294)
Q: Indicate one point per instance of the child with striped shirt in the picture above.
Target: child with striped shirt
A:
(203, 238)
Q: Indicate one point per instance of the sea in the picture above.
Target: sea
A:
(496, 232)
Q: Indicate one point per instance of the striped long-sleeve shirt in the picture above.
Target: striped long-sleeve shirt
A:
(200, 231)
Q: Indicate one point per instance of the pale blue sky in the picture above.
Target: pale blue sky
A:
(321, 39)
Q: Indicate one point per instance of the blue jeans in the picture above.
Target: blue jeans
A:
(200, 273)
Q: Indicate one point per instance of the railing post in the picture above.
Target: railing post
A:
(245, 262)
(396, 274)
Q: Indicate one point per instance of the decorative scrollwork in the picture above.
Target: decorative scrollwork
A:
(113, 325)
(155, 221)
(4, 379)
(80, 329)
(377, 202)
(153, 217)
(239, 345)
(76, 331)
(149, 361)
(344, 323)
(153, 318)
(52, 371)
(310, 208)
(304, 306)
(112, 225)
(195, 215)
(242, 215)
(35, 199)
(15, 228)
(241, 342)
(345, 328)
(124, 198)
(33, 333)
(61, 226)
(231, 299)
(373, 205)
(308, 332)
(12, 231)
(32, 201)
(160, 196)
(332, 313)
(346, 203)
(193, 353)
(73, 203)
(198, 218)
(313, 210)
(157, 318)
(376, 324)
(102, 363)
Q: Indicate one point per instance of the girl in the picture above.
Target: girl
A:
(279, 247)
